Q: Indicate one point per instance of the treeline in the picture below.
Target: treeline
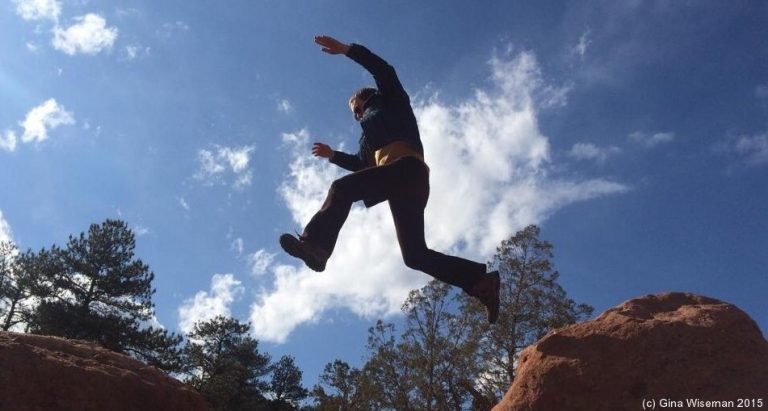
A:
(96, 289)
(445, 358)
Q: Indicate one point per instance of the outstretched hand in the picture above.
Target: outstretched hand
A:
(322, 150)
(330, 45)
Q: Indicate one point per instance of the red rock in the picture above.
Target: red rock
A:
(51, 373)
(664, 348)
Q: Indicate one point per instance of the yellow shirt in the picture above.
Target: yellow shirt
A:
(395, 150)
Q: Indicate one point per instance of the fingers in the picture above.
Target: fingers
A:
(321, 150)
(326, 45)
(324, 41)
(330, 45)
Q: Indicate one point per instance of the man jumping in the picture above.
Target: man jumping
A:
(389, 166)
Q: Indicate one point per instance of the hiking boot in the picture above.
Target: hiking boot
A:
(487, 291)
(313, 256)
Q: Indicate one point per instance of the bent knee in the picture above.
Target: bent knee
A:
(415, 260)
(339, 189)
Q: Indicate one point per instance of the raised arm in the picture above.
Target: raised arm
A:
(383, 73)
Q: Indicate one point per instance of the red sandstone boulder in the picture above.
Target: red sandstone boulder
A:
(667, 348)
(51, 373)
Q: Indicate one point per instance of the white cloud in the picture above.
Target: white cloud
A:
(751, 149)
(126, 12)
(131, 51)
(8, 140)
(237, 158)
(527, 78)
(589, 151)
(169, 29)
(238, 245)
(183, 203)
(89, 35)
(651, 140)
(135, 51)
(214, 165)
(32, 47)
(284, 106)
(761, 91)
(260, 261)
(489, 178)
(244, 179)
(141, 231)
(43, 118)
(225, 289)
(38, 9)
(6, 235)
(209, 164)
(296, 139)
(581, 48)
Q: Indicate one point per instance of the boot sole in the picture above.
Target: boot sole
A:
(293, 247)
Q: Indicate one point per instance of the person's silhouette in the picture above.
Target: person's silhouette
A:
(389, 166)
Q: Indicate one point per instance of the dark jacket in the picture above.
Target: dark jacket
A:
(388, 116)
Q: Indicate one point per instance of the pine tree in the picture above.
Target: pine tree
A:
(343, 385)
(532, 304)
(430, 365)
(384, 382)
(225, 365)
(17, 283)
(95, 289)
(438, 354)
(285, 385)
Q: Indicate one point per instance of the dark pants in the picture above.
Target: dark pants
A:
(405, 183)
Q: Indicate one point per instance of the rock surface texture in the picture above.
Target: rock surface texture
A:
(50, 373)
(666, 349)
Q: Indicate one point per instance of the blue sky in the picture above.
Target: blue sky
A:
(634, 133)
